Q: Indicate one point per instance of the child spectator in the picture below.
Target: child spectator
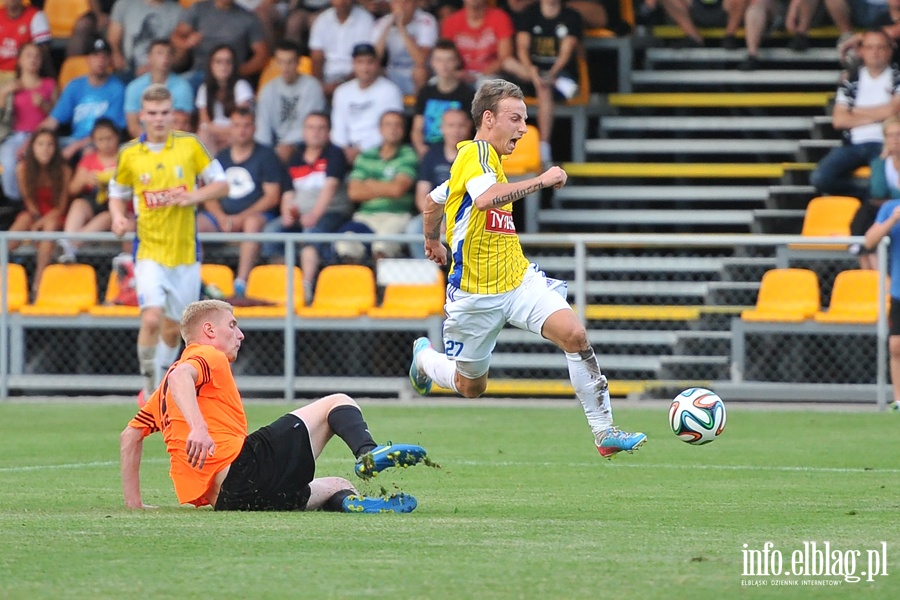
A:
(89, 187)
(447, 92)
(44, 181)
(218, 96)
(33, 99)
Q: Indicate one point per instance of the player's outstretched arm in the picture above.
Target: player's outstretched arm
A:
(131, 448)
(501, 194)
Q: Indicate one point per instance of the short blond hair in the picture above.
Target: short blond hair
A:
(197, 312)
(156, 92)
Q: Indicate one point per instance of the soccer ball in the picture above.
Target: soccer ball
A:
(697, 416)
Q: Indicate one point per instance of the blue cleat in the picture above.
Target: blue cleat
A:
(420, 382)
(384, 457)
(614, 440)
(396, 503)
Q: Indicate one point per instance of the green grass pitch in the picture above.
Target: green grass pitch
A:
(523, 507)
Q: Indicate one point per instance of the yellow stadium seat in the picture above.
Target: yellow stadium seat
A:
(410, 301)
(65, 290)
(854, 298)
(62, 15)
(220, 276)
(72, 67)
(272, 71)
(526, 158)
(786, 295)
(827, 216)
(17, 287)
(108, 309)
(269, 284)
(342, 292)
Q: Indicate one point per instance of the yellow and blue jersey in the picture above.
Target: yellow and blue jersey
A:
(486, 255)
(166, 233)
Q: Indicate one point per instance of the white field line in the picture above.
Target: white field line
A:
(511, 464)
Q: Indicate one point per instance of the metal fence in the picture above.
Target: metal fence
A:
(662, 311)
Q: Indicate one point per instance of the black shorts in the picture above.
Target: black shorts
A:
(894, 317)
(273, 470)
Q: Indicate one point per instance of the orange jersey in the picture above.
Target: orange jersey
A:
(222, 409)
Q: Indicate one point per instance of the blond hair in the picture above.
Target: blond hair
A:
(156, 92)
(196, 313)
(490, 94)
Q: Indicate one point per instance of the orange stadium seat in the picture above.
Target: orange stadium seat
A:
(220, 276)
(65, 290)
(272, 71)
(17, 290)
(854, 298)
(108, 309)
(72, 67)
(786, 295)
(62, 14)
(268, 283)
(827, 216)
(342, 291)
(526, 158)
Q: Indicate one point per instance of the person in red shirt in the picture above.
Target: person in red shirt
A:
(19, 25)
(484, 38)
(213, 460)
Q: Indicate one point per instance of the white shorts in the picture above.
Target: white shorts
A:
(474, 320)
(171, 288)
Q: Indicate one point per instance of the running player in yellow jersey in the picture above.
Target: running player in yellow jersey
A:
(491, 283)
(158, 173)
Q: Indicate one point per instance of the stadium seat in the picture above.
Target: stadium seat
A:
(62, 15)
(786, 295)
(72, 67)
(342, 292)
(268, 283)
(65, 290)
(220, 276)
(854, 298)
(827, 216)
(526, 158)
(410, 301)
(187, 3)
(272, 71)
(17, 290)
(108, 309)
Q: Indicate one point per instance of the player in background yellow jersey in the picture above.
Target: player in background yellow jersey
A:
(158, 172)
(491, 283)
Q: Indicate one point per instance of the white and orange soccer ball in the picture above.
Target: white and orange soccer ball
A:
(697, 416)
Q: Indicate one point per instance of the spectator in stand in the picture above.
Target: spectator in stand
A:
(316, 201)
(888, 20)
(332, 39)
(799, 16)
(219, 95)
(689, 14)
(33, 98)
(86, 99)
(884, 187)
(89, 211)
(381, 184)
(20, 25)
(90, 25)
(44, 181)
(211, 24)
(254, 176)
(870, 95)
(159, 64)
(285, 102)
(484, 37)
(403, 38)
(547, 43)
(359, 104)
(758, 16)
(456, 127)
(447, 92)
(301, 14)
(135, 26)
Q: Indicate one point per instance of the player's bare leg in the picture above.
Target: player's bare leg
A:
(148, 338)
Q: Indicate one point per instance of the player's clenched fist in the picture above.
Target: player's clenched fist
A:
(554, 177)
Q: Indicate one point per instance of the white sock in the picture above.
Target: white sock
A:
(439, 368)
(147, 363)
(591, 388)
(165, 356)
